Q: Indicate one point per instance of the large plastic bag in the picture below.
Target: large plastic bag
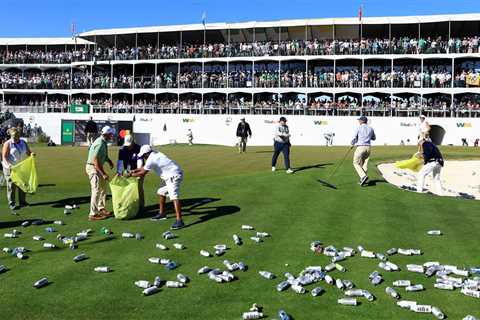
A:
(125, 197)
(414, 164)
(24, 175)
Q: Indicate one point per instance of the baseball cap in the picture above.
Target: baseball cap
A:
(108, 130)
(363, 119)
(423, 116)
(242, 118)
(128, 140)
(146, 148)
(283, 119)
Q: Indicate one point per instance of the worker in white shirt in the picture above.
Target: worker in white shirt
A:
(423, 128)
(172, 176)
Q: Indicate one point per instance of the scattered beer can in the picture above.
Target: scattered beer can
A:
(267, 275)
(414, 288)
(127, 235)
(422, 308)
(406, 304)
(150, 290)
(392, 251)
(368, 295)
(80, 257)
(102, 269)
(347, 301)
(38, 238)
(298, 288)
(59, 222)
(205, 253)
(49, 245)
(444, 286)
(415, 268)
(434, 233)
(402, 283)
(3, 269)
(179, 246)
(182, 278)
(317, 291)
(25, 224)
(354, 293)
(203, 270)
(161, 246)
(174, 284)
(41, 283)
(256, 239)
(282, 286)
(252, 315)
(392, 293)
(144, 284)
(237, 240)
(247, 227)
(437, 313)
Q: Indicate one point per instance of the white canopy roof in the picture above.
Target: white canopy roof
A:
(42, 41)
(290, 23)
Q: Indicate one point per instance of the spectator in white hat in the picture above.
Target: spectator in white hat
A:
(172, 176)
(97, 156)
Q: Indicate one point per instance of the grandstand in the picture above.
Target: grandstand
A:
(335, 69)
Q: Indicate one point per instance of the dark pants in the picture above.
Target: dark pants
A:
(285, 149)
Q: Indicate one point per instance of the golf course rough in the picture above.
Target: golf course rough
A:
(223, 191)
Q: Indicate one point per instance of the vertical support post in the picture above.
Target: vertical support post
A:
(449, 35)
(115, 47)
(136, 45)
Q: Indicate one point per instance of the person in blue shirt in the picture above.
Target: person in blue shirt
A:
(128, 160)
(433, 163)
(362, 139)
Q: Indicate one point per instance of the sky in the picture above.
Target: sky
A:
(53, 18)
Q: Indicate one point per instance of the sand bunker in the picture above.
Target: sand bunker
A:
(459, 179)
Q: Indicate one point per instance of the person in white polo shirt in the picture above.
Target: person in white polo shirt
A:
(172, 176)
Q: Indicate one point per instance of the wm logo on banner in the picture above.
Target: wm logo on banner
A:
(320, 123)
(464, 125)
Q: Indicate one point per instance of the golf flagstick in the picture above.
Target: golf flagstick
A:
(328, 184)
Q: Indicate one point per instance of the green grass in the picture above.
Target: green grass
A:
(294, 209)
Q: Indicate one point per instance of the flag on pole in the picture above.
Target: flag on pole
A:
(204, 19)
(360, 13)
(73, 30)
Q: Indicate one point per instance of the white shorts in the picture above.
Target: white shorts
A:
(171, 187)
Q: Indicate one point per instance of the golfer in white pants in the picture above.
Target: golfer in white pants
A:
(433, 163)
(362, 139)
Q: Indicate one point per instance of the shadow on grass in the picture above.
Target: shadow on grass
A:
(373, 183)
(264, 151)
(315, 166)
(18, 223)
(63, 202)
(193, 207)
(47, 185)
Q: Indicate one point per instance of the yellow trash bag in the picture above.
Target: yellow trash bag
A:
(414, 164)
(24, 175)
(125, 197)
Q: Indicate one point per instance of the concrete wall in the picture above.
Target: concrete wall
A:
(305, 130)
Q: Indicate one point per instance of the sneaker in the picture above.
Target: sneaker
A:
(289, 171)
(159, 216)
(97, 217)
(363, 180)
(106, 213)
(177, 225)
(273, 169)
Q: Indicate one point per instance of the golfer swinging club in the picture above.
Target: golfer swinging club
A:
(362, 140)
(172, 176)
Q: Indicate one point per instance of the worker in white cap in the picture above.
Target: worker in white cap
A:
(97, 156)
(424, 128)
(129, 160)
(172, 176)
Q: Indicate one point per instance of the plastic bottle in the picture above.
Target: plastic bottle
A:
(256, 239)
(282, 286)
(3, 268)
(138, 236)
(434, 233)
(37, 238)
(58, 222)
(105, 231)
(406, 304)
(422, 308)
(179, 246)
(329, 279)
(370, 297)
(443, 286)
(354, 293)
(340, 268)
(247, 227)
(339, 284)
(298, 289)
(25, 224)
(49, 245)
(402, 283)
(171, 265)
(391, 251)
(242, 266)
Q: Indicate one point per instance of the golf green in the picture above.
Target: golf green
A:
(222, 190)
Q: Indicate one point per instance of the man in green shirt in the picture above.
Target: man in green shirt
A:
(97, 156)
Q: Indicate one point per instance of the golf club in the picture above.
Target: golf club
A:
(328, 184)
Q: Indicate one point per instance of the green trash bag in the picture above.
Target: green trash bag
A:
(24, 175)
(125, 198)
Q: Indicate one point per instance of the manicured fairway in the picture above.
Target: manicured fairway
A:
(223, 190)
